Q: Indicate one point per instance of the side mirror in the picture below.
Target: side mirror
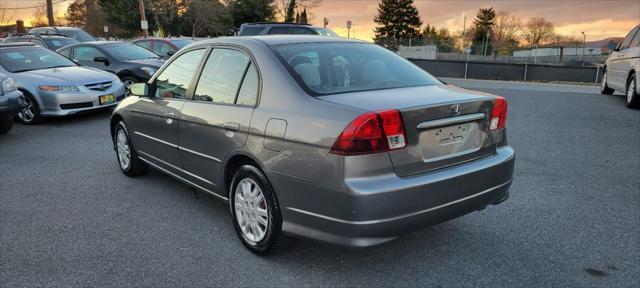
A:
(139, 89)
(170, 53)
(101, 59)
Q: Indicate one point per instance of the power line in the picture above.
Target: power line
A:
(33, 7)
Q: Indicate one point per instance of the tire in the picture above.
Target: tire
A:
(632, 97)
(604, 89)
(127, 81)
(127, 157)
(6, 122)
(30, 114)
(255, 210)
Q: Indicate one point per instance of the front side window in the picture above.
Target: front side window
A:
(221, 76)
(330, 68)
(22, 59)
(162, 48)
(627, 40)
(174, 81)
(86, 53)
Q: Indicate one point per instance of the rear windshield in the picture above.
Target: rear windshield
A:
(180, 43)
(251, 31)
(330, 68)
(56, 43)
(127, 51)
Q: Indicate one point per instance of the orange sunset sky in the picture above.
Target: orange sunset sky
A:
(597, 18)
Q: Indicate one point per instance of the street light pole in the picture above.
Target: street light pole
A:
(50, 12)
(143, 19)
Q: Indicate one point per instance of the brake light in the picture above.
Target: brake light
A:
(371, 133)
(499, 114)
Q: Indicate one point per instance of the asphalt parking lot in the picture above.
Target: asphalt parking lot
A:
(68, 217)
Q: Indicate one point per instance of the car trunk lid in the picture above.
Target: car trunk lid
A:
(444, 125)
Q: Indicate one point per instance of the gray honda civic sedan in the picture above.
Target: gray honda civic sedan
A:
(325, 138)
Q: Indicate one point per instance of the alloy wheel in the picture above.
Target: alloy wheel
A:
(604, 80)
(127, 83)
(28, 112)
(251, 210)
(124, 152)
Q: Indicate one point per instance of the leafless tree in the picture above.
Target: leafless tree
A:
(203, 14)
(538, 31)
(6, 15)
(505, 31)
(282, 5)
(40, 17)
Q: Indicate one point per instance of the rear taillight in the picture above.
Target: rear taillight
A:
(371, 133)
(499, 114)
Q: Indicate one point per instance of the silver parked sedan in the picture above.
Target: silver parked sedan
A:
(54, 85)
(622, 69)
(325, 138)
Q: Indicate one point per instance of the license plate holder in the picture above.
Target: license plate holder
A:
(450, 141)
(107, 99)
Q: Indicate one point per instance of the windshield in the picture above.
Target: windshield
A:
(55, 43)
(330, 68)
(22, 59)
(180, 43)
(127, 51)
(326, 32)
(79, 35)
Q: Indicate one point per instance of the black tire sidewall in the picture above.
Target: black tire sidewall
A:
(36, 111)
(274, 227)
(635, 102)
(119, 127)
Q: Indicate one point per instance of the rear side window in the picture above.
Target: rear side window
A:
(302, 30)
(636, 40)
(330, 68)
(248, 94)
(174, 80)
(279, 30)
(251, 31)
(221, 76)
(162, 48)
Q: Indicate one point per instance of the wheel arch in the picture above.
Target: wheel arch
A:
(233, 162)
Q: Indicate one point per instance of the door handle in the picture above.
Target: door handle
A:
(230, 126)
(169, 117)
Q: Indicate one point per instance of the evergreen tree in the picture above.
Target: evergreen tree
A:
(303, 17)
(441, 38)
(125, 14)
(251, 11)
(483, 25)
(291, 11)
(397, 20)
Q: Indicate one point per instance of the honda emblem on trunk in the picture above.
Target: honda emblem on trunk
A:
(455, 110)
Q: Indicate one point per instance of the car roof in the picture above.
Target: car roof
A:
(17, 44)
(272, 40)
(101, 43)
(162, 39)
(275, 24)
(57, 27)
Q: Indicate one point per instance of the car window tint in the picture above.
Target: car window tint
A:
(161, 48)
(279, 30)
(249, 90)
(302, 30)
(86, 53)
(627, 40)
(143, 44)
(174, 81)
(221, 76)
(636, 40)
(250, 31)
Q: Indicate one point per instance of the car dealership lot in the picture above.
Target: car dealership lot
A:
(69, 217)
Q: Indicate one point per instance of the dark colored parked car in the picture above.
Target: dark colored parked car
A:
(326, 138)
(163, 47)
(49, 41)
(73, 32)
(252, 29)
(11, 102)
(130, 62)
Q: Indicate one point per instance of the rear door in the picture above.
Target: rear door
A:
(216, 121)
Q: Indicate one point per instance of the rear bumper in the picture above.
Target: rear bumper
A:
(11, 103)
(384, 208)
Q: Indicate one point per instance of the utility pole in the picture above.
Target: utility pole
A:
(50, 12)
(584, 45)
(143, 20)
(464, 26)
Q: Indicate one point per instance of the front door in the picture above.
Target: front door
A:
(155, 119)
(84, 55)
(217, 121)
